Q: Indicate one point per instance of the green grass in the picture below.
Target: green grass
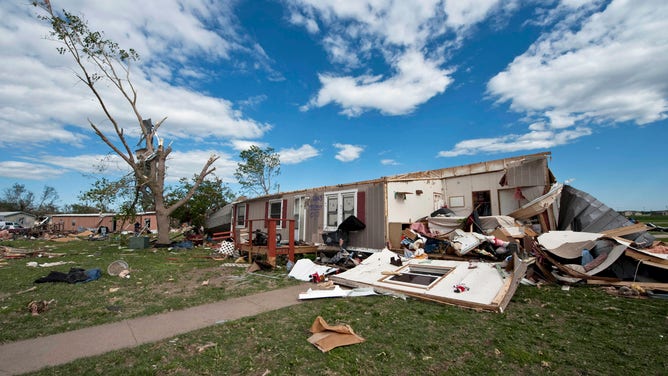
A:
(583, 331)
(160, 280)
(659, 220)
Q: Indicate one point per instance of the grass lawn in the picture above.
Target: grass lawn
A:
(582, 331)
(160, 280)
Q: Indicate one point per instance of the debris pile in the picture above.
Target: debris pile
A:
(565, 237)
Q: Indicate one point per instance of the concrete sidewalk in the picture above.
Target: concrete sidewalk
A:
(37, 353)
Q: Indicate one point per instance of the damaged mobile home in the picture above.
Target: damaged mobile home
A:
(389, 205)
(466, 235)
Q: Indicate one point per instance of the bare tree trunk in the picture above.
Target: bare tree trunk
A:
(163, 224)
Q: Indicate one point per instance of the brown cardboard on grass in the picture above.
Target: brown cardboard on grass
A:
(326, 337)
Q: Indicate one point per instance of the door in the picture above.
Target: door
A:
(299, 212)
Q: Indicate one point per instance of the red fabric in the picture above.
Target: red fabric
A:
(284, 213)
(361, 206)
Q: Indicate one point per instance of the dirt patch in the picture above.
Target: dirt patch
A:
(187, 282)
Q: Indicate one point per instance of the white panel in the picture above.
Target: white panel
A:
(418, 202)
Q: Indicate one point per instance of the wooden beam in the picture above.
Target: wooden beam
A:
(621, 231)
(645, 285)
(647, 259)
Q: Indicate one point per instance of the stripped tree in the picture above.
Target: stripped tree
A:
(101, 60)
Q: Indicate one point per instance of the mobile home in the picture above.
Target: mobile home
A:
(389, 204)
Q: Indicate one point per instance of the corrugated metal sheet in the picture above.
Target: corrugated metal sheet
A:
(579, 211)
(530, 173)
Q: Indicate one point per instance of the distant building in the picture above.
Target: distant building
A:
(25, 219)
(81, 222)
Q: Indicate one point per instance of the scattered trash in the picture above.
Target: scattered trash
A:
(117, 267)
(37, 307)
(305, 268)
(460, 288)
(34, 264)
(201, 348)
(326, 337)
(28, 290)
(75, 275)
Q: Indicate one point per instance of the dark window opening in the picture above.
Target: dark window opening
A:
(482, 203)
(420, 275)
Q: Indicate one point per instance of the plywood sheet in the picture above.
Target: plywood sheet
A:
(483, 281)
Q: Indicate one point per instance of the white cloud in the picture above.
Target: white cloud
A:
(43, 102)
(613, 67)
(416, 82)
(348, 152)
(400, 32)
(179, 165)
(294, 156)
(463, 13)
(307, 21)
(595, 67)
(389, 162)
(241, 145)
(86, 163)
(340, 52)
(28, 171)
(536, 139)
(186, 164)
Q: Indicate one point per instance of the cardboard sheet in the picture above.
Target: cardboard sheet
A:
(326, 337)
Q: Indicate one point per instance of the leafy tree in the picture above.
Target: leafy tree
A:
(47, 201)
(100, 60)
(260, 166)
(18, 198)
(211, 195)
(108, 195)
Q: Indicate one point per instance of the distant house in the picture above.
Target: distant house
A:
(80, 222)
(389, 204)
(25, 219)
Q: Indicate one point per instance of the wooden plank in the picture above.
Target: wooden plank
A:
(645, 285)
(648, 259)
(518, 273)
(621, 231)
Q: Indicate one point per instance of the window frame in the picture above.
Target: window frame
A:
(279, 223)
(240, 212)
(437, 273)
(339, 207)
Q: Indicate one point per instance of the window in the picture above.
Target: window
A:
(423, 276)
(456, 201)
(338, 207)
(241, 215)
(275, 211)
(298, 207)
(482, 203)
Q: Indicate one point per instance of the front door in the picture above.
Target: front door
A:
(299, 213)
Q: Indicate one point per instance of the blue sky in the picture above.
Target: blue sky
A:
(354, 90)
